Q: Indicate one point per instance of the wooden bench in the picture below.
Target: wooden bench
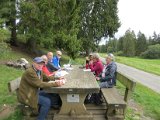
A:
(116, 104)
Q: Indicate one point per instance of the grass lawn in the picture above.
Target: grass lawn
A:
(144, 96)
(8, 73)
(146, 99)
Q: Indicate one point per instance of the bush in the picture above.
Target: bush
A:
(120, 53)
(153, 52)
(4, 48)
(4, 35)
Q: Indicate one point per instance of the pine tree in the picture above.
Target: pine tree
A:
(141, 43)
(129, 43)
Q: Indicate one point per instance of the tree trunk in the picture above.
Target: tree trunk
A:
(13, 40)
(31, 45)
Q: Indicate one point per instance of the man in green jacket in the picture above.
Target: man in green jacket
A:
(29, 93)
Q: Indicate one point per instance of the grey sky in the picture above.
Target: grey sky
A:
(138, 15)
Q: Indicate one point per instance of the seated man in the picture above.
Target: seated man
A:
(56, 59)
(50, 65)
(108, 77)
(29, 92)
(44, 68)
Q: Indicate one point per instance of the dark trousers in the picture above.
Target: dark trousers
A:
(46, 100)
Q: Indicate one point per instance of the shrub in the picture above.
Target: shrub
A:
(4, 48)
(120, 53)
(4, 35)
(153, 52)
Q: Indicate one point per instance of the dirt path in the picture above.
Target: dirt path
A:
(149, 80)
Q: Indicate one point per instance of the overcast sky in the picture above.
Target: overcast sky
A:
(139, 15)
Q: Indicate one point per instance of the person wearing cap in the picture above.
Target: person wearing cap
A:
(29, 92)
(108, 77)
(56, 59)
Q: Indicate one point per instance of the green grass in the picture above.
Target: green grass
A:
(148, 65)
(145, 98)
(142, 95)
(149, 100)
(17, 115)
(7, 74)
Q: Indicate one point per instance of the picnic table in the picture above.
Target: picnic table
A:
(79, 83)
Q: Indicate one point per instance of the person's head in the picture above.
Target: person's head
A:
(49, 55)
(109, 58)
(38, 63)
(90, 56)
(59, 54)
(95, 57)
(44, 57)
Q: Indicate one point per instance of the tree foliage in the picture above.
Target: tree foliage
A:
(141, 43)
(153, 52)
(71, 25)
(99, 19)
(129, 43)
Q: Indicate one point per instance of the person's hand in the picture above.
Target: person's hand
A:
(60, 82)
(97, 78)
(90, 62)
(60, 78)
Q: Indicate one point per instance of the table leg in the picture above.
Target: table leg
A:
(73, 108)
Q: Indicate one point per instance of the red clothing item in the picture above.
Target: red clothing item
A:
(46, 71)
(87, 66)
(96, 67)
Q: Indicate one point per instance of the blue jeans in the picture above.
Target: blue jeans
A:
(45, 101)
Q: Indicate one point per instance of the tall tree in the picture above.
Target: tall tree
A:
(120, 44)
(8, 14)
(67, 26)
(99, 19)
(37, 21)
(129, 43)
(112, 45)
(141, 43)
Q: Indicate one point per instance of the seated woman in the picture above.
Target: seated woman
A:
(44, 68)
(107, 80)
(89, 61)
(108, 77)
(96, 66)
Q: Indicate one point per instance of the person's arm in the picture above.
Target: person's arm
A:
(95, 68)
(109, 74)
(55, 61)
(34, 81)
(51, 67)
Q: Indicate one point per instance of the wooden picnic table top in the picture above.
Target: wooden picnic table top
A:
(77, 81)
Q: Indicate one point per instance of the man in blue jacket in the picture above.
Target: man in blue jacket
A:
(56, 59)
